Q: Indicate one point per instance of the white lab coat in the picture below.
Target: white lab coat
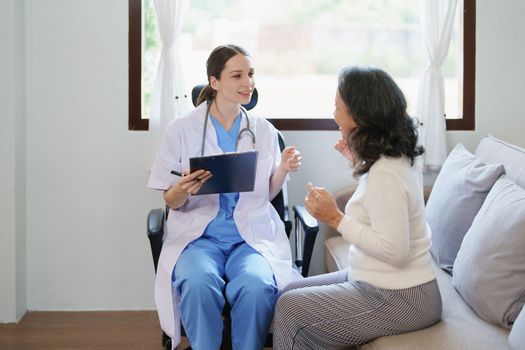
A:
(258, 222)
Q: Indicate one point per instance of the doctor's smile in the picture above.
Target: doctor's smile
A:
(246, 95)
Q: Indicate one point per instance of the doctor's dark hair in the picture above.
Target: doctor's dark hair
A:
(215, 65)
(378, 108)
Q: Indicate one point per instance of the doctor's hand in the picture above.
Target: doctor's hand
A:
(342, 147)
(191, 183)
(290, 159)
(321, 205)
(188, 184)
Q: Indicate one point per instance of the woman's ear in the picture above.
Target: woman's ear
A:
(214, 83)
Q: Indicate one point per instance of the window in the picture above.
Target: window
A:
(299, 46)
(466, 121)
(136, 118)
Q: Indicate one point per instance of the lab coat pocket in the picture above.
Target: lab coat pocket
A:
(270, 241)
(180, 224)
(263, 230)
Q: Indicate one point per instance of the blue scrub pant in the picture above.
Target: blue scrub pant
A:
(206, 276)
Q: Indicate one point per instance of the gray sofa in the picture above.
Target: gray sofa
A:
(460, 327)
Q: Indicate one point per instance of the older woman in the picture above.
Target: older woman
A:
(390, 286)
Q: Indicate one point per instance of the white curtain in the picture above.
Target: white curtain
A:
(170, 99)
(437, 20)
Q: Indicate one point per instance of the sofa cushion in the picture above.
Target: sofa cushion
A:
(460, 328)
(489, 271)
(492, 150)
(517, 334)
(459, 191)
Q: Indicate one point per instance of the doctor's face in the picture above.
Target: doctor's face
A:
(343, 117)
(236, 82)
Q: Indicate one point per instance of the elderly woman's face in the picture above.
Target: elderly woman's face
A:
(342, 117)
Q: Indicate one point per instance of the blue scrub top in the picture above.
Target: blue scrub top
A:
(223, 229)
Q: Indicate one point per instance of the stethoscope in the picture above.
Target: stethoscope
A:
(239, 136)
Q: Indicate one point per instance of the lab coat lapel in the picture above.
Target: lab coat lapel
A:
(211, 144)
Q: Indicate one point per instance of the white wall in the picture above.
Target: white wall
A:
(86, 185)
(12, 160)
(7, 159)
(20, 160)
(86, 200)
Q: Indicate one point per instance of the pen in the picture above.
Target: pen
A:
(174, 172)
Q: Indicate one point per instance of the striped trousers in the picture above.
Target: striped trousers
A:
(330, 312)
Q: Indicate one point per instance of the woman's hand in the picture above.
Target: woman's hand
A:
(321, 205)
(342, 147)
(290, 159)
(188, 184)
(191, 183)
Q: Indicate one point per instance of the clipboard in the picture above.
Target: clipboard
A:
(232, 172)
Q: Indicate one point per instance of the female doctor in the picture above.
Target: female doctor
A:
(228, 247)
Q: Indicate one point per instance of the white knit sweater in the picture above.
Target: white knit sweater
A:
(385, 224)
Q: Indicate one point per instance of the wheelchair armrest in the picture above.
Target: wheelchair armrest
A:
(286, 215)
(287, 222)
(155, 227)
(308, 221)
(307, 224)
(156, 222)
